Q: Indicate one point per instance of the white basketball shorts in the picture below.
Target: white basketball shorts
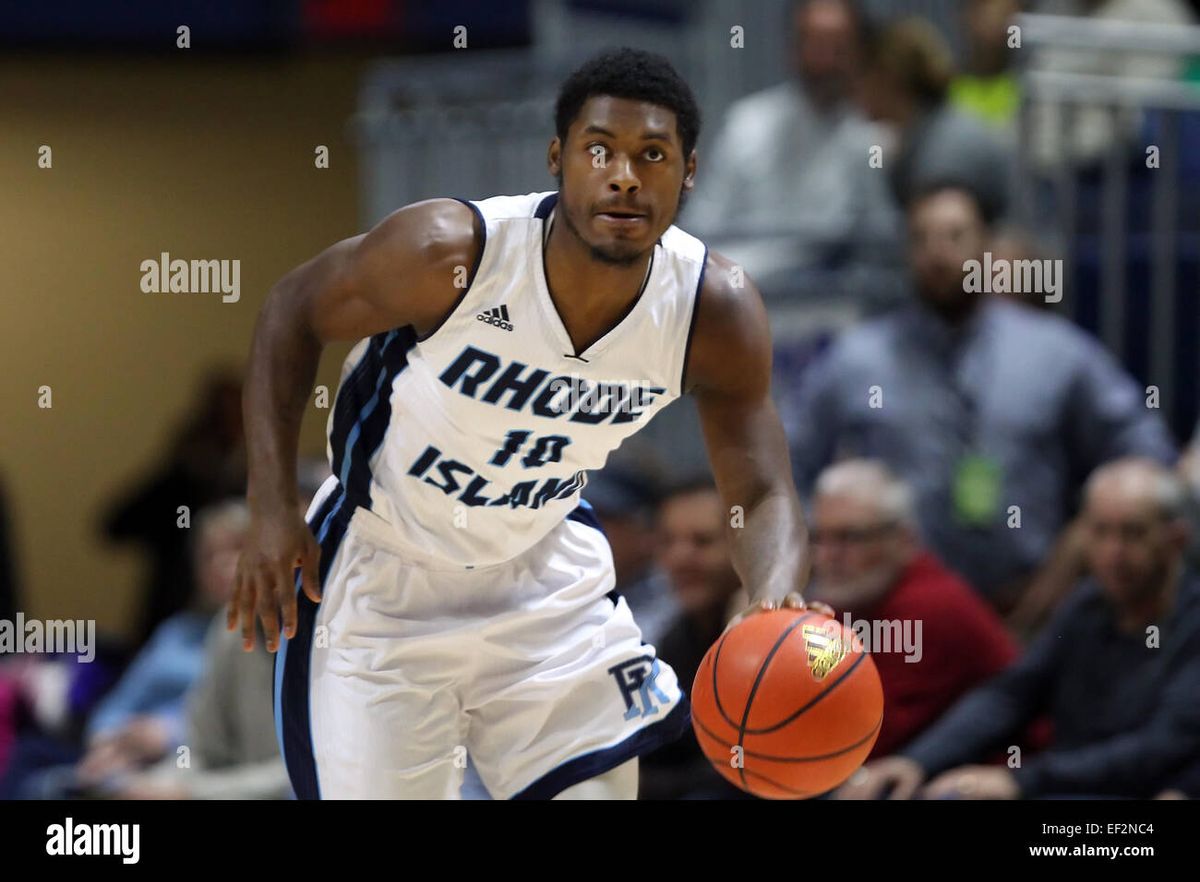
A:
(533, 667)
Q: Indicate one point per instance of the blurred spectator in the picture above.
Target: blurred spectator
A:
(624, 502)
(1118, 670)
(1014, 245)
(232, 752)
(786, 183)
(905, 85)
(1091, 130)
(987, 87)
(206, 463)
(993, 413)
(142, 719)
(695, 552)
(44, 702)
(868, 564)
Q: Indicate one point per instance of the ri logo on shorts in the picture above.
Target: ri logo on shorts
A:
(636, 680)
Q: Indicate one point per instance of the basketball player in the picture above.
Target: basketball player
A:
(455, 593)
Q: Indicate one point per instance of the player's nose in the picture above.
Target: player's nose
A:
(623, 178)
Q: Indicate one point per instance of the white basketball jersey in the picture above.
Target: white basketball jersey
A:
(474, 441)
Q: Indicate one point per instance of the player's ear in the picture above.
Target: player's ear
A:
(554, 157)
(689, 171)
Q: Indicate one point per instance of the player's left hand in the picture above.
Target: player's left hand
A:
(794, 600)
(974, 782)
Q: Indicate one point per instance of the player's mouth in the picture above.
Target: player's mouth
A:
(622, 220)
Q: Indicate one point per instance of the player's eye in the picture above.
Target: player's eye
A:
(655, 155)
(598, 150)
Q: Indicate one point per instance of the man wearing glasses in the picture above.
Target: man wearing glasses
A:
(931, 637)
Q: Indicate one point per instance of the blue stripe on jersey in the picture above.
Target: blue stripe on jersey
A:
(354, 391)
(293, 660)
(363, 411)
(687, 344)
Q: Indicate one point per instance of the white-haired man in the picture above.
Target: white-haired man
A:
(1117, 670)
(932, 637)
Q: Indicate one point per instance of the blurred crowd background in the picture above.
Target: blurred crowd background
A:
(1018, 472)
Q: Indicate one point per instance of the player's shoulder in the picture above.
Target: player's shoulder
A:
(504, 223)
(453, 229)
(439, 230)
(730, 327)
(727, 294)
(525, 207)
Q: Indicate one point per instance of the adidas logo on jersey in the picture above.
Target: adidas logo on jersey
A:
(497, 315)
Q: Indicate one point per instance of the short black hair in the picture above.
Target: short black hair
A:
(988, 205)
(636, 75)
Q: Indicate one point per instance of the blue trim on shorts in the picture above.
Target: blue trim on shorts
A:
(645, 740)
(293, 663)
(362, 414)
(649, 738)
(585, 514)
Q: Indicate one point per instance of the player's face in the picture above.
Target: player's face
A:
(1130, 545)
(945, 231)
(694, 552)
(622, 174)
(857, 551)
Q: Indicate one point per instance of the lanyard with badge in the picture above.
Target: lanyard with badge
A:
(978, 475)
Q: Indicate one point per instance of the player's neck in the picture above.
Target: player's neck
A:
(572, 267)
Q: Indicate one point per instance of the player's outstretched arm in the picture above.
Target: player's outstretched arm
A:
(403, 272)
(729, 374)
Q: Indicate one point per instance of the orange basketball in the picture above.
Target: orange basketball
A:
(787, 704)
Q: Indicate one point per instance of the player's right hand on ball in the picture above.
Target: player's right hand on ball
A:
(894, 777)
(276, 544)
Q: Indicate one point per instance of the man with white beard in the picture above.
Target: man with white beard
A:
(932, 638)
